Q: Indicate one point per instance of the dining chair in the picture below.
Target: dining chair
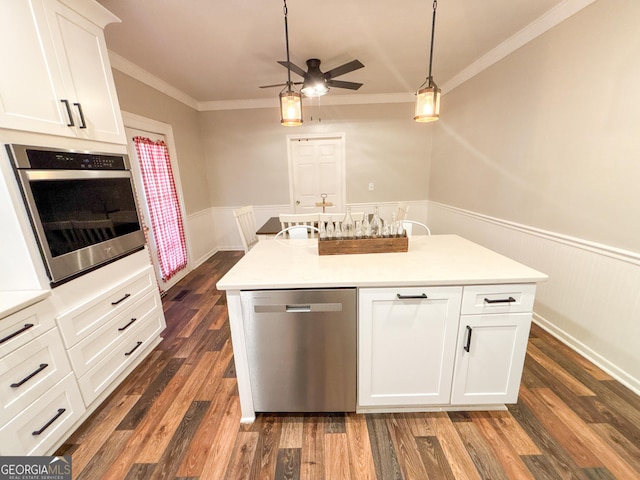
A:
(298, 231)
(246, 222)
(339, 217)
(403, 209)
(295, 219)
(407, 225)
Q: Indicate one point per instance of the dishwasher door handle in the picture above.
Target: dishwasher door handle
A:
(299, 308)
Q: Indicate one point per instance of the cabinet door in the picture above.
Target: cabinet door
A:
(407, 338)
(31, 85)
(84, 61)
(489, 358)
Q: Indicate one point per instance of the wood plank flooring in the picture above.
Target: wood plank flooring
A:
(177, 417)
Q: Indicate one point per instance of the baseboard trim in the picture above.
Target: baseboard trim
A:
(579, 347)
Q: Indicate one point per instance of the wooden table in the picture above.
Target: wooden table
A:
(270, 227)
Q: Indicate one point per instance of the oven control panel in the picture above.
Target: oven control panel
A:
(36, 158)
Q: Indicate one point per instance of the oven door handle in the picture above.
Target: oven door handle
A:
(36, 175)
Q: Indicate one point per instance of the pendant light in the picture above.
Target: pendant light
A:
(290, 101)
(428, 94)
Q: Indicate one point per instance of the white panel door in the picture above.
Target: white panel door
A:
(490, 358)
(406, 344)
(316, 168)
(83, 57)
(31, 85)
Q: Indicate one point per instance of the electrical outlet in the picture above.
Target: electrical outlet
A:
(371, 186)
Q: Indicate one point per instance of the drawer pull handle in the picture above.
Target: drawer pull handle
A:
(48, 424)
(30, 376)
(83, 124)
(409, 297)
(26, 327)
(66, 104)
(133, 349)
(122, 329)
(500, 300)
(467, 347)
(127, 295)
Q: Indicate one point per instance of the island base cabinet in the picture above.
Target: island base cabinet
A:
(406, 336)
(489, 358)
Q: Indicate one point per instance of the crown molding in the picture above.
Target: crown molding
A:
(129, 68)
(546, 22)
(309, 102)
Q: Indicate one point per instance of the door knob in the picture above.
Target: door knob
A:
(297, 202)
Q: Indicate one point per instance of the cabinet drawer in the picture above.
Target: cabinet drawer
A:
(96, 380)
(30, 371)
(88, 317)
(92, 349)
(509, 298)
(51, 416)
(23, 326)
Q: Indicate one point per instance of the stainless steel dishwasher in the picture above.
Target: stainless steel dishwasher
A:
(301, 349)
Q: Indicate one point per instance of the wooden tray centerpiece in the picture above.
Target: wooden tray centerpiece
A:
(345, 246)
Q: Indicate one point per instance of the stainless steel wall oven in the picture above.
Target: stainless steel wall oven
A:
(81, 205)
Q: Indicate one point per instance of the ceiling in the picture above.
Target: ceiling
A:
(216, 51)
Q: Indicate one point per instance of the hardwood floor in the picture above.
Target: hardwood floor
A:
(177, 417)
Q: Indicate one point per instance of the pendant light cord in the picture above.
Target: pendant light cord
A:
(286, 36)
(433, 31)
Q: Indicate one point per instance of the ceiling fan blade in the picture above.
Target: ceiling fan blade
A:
(342, 84)
(280, 85)
(293, 67)
(342, 69)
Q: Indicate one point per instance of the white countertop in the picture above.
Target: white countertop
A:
(11, 302)
(431, 260)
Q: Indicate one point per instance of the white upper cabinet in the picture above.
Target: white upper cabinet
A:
(56, 77)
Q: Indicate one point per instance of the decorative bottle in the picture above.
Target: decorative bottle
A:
(366, 226)
(347, 225)
(330, 230)
(376, 224)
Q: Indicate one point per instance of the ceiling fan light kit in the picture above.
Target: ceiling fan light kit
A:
(428, 94)
(315, 84)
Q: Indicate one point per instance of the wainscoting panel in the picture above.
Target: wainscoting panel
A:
(200, 236)
(592, 298)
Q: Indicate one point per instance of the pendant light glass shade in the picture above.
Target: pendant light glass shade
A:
(290, 101)
(427, 104)
(428, 97)
(290, 108)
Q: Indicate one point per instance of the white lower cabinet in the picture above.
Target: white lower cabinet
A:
(43, 424)
(123, 353)
(442, 347)
(407, 337)
(489, 358)
(39, 396)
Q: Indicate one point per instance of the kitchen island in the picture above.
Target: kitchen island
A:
(442, 326)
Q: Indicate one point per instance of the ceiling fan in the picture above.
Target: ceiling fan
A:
(316, 82)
